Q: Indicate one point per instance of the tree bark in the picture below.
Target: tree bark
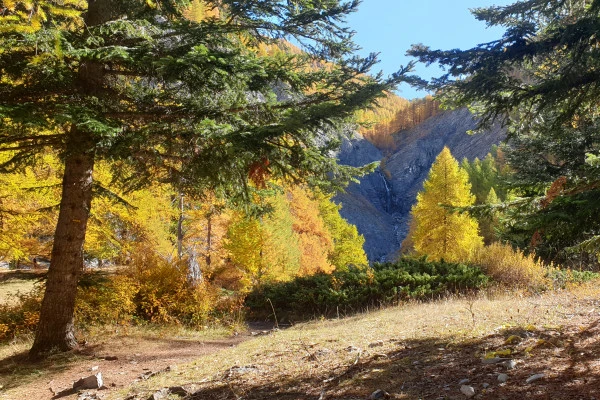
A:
(55, 329)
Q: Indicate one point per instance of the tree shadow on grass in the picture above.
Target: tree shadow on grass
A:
(18, 370)
(434, 368)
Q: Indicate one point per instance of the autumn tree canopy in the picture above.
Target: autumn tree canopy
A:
(167, 99)
(439, 232)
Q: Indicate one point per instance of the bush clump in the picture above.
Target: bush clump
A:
(354, 289)
(511, 267)
(151, 289)
(563, 278)
(22, 315)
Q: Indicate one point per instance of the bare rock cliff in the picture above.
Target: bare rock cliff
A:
(380, 205)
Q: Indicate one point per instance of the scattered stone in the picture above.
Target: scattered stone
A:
(88, 396)
(352, 349)
(494, 360)
(510, 364)
(502, 378)
(379, 356)
(323, 351)
(237, 370)
(535, 377)
(261, 333)
(379, 394)
(159, 394)
(463, 381)
(378, 343)
(110, 358)
(179, 391)
(148, 374)
(485, 385)
(94, 368)
(468, 391)
(90, 382)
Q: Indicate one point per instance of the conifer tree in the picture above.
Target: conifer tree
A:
(439, 232)
(166, 99)
(540, 79)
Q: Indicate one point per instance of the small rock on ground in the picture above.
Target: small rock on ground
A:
(159, 394)
(90, 382)
(535, 378)
(502, 378)
(468, 391)
(379, 394)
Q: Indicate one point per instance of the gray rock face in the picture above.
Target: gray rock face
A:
(365, 204)
(380, 205)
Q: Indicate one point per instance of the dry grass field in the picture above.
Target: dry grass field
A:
(414, 351)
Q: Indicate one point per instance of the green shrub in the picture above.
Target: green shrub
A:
(562, 278)
(353, 290)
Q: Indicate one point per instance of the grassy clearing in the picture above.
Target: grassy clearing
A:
(13, 282)
(413, 351)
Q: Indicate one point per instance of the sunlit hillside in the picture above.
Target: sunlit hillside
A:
(392, 114)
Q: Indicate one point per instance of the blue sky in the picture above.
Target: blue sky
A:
(389, 27)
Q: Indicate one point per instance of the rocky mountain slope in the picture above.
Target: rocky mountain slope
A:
(380, 205)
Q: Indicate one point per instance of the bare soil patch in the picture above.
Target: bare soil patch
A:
(122, 358)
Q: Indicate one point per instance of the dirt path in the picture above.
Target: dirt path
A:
(120, 359)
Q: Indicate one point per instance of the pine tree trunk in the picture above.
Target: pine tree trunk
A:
(55, 329)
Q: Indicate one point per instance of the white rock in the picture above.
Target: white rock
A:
(510, 364)
(463, 381)
(468, 391)
(90, 382)
(534, 378)
(502, 378)
(485, 385)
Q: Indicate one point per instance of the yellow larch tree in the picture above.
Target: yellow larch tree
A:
(439, 232)
(315, 240)
(27, 199)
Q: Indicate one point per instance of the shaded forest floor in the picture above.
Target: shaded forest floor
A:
(414, 351)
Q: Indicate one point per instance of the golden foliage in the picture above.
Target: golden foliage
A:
(347, 242)
(439, 232)
(509, 266)
(27, 210)
(315, 240)
(391, 115)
